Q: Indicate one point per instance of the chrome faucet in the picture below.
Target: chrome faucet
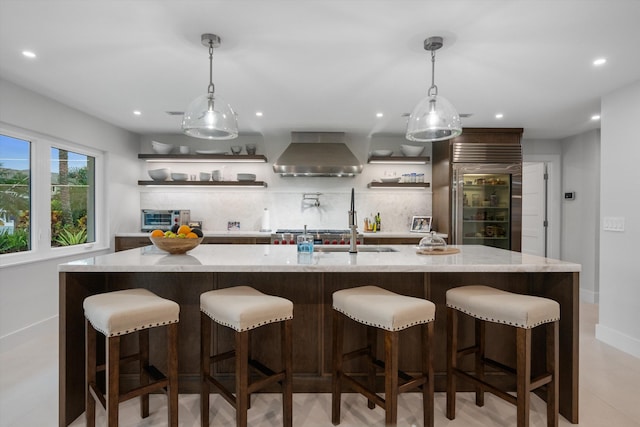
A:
(353, 225)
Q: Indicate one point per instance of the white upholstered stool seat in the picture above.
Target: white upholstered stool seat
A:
(243, 309)
(123, 312)
(381, 309)
(495, 305)
(118, 313)
(522, 312)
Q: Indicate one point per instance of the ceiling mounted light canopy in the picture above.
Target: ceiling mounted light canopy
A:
(434, 118)
(209, 116)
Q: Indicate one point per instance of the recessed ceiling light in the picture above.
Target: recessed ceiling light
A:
(379, 114)
(499, 116)
(595, 117)
(599, 61)
(137, 112)
(28, 54)
(259, 113)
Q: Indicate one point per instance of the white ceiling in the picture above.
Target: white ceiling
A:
(326, 65)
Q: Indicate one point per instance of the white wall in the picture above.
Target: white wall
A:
(619, 320)
(29, 292)
(581, 216)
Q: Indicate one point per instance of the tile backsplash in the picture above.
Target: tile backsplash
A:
(215, 208)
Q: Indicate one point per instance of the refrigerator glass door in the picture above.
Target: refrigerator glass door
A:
(484, 209)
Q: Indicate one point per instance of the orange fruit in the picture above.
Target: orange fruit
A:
(157, 233)
(191, 235)
(184, 229)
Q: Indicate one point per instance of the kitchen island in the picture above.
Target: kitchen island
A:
(309, 280)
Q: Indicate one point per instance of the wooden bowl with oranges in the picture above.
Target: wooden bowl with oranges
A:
(179, 242)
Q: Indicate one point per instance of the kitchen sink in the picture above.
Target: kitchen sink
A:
(345, 248)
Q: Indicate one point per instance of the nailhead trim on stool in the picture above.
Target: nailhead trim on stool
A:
(243, 308)
(118, 313)
(523, 312)
(382, 309)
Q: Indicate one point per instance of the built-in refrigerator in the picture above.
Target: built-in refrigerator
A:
(477, 188)
(487, 204)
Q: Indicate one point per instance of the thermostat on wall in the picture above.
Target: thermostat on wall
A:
(570, 195)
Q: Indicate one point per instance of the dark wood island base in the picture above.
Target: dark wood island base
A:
(311, 294)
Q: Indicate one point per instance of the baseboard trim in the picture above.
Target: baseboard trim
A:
(618, 340)
(21, 336)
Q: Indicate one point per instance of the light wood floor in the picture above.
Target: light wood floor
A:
(609, 395)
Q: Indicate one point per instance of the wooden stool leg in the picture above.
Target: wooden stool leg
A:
(338, 331)
(391, 377)
(523, 373)
(113, 379)
(172, 367)
(479, 359)
(287, 365)
(552, 367)
(452, 360)
(242, 377)
(90, 373)
(372, 344)
(143, 350)
(427, 371)
(205, 367)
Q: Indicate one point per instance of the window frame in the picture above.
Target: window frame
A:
(40, 214)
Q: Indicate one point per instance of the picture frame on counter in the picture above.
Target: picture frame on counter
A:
(421, 224)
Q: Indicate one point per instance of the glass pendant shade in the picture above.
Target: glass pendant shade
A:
(210, 117)
(433, 119)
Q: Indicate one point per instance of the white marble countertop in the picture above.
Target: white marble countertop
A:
(273, 258)
(242, 233)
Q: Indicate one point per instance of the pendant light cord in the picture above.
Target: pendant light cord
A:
(210, 88)
(433, 90)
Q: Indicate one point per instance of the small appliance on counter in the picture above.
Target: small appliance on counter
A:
(159, 219)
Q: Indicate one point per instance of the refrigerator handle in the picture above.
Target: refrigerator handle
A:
(454, 208)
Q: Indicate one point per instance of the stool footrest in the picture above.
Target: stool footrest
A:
(364, 351)
(262, 383)
(97, 395)
(357, 386)
(123, 361)
(224, 392)
(468, 350)
(490, 387)
(145, 389)
(401, 374)
(222, 356)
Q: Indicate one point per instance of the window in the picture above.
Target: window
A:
(15, 194)
(50, 203)
(72, 198)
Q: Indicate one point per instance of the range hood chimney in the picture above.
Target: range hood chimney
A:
(317, 154)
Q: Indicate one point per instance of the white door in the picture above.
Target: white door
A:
(534, 202)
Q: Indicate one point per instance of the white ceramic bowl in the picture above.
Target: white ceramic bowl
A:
(411, 150)
(390, 179)
(162, 174)
(246, 177)
(161, 148)
(179, 176)
(381, 153)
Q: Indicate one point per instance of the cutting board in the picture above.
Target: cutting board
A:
(448, 251)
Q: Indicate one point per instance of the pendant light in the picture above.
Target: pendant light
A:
(209, 116)
(434, 118)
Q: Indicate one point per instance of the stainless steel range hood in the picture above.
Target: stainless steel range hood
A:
(317, 154)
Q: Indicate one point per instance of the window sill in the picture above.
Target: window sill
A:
(79, 251)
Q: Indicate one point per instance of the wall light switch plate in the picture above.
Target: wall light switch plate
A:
(613, 223)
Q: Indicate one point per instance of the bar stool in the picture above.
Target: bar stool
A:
(523, 312)
(118, 313)
(243, 309)
(382, 309)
